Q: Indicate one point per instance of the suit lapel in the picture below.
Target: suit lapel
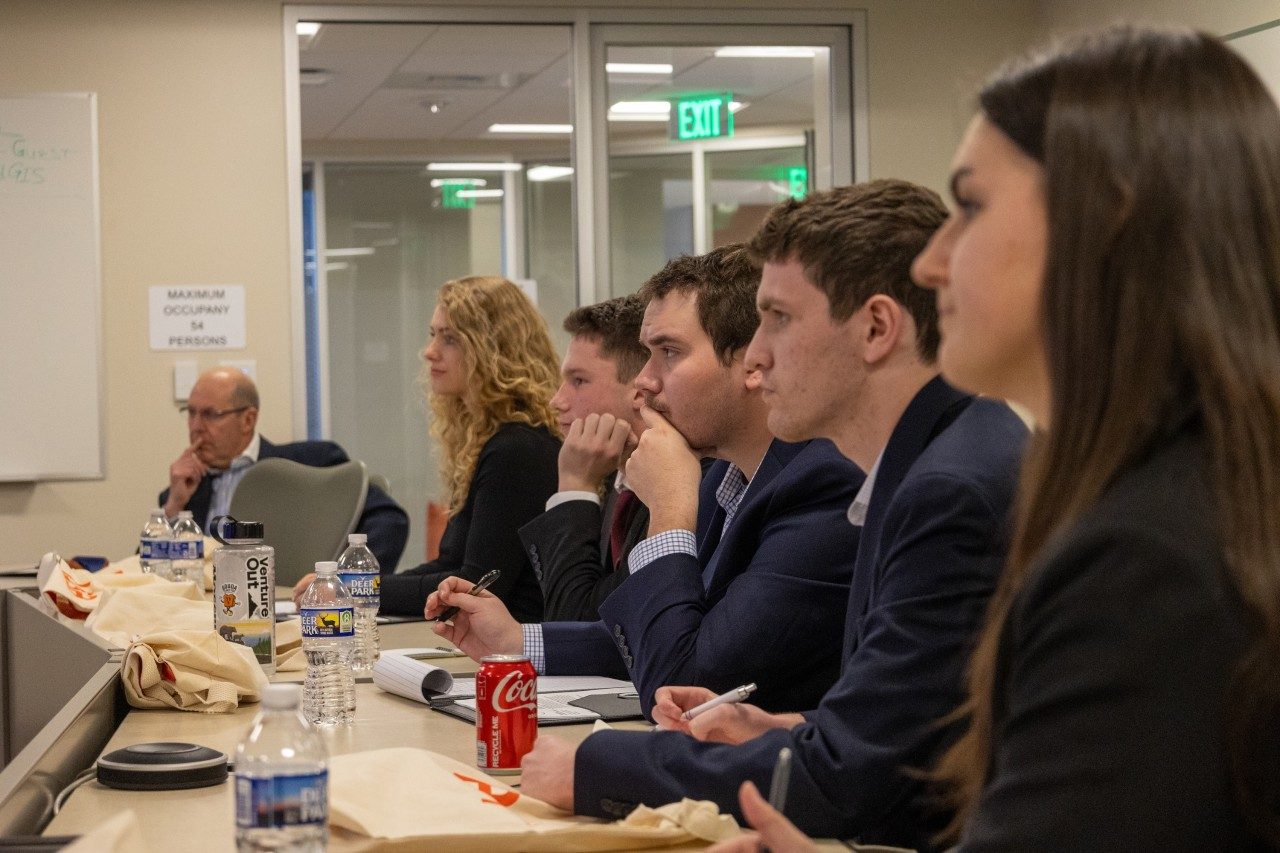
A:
(931, 411)
(717, 572)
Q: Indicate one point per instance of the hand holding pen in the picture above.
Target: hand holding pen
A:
(481, 586)
(735, 695)
(477, 624)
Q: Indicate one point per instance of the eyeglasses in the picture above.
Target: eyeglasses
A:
(208, 415)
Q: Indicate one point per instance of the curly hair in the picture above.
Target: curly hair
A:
(512, 372)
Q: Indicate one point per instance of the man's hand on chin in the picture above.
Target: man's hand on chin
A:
(547, 771)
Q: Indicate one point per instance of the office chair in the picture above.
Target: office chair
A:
(306, 512)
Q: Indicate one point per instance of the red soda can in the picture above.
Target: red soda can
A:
(506, 712)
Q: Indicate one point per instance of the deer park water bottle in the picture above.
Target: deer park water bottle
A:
(153, 546)
(187, 550)
(281, 779)
(359, 572)
(328, 641)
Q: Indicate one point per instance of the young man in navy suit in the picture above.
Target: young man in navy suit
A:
(579, 546)
(222, 427)
(715, 595)
(845, 349)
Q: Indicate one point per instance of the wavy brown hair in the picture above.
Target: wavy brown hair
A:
(1161, 156)
(512, 372)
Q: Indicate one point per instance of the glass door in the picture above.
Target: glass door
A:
(706, 128)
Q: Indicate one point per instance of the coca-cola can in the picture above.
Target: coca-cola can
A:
(506, 712)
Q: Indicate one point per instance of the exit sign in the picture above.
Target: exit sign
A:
(449, 194)
(701, 117)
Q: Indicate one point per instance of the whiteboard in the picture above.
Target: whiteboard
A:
(50, 289)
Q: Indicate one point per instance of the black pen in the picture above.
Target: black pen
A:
(778, 785)
(480, 587)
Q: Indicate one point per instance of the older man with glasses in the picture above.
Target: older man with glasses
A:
(222, 428)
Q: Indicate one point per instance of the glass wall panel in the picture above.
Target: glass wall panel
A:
(743, 185)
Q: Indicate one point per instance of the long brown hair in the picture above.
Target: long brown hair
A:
(512, 373)
(1161, 154)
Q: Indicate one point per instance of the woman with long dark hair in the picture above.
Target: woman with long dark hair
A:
(1113, 263)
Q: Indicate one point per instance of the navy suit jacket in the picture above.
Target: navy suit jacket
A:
(930, 553)
(382, 520)
(745, 609)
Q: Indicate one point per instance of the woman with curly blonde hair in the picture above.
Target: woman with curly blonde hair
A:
(490, 372)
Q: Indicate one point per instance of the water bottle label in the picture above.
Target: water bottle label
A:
(154, 549)
(187, 549)
(361, 584)
(328, 622)
(282, 801)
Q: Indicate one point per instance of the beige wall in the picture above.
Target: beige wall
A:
(1221, 18)
(193, 188)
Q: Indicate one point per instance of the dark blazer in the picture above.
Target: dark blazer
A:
(762, 616)
(930, 553)
(382, 520)
(515, 474)
(1114, 675)
(568, 548)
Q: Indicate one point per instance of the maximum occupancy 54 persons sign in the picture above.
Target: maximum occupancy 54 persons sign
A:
(192, 317)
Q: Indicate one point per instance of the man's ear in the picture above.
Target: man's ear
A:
(885, 321)
(251, 418)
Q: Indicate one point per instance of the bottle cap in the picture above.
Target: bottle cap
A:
(357, 538)
(186, 513)
(157, 513)
(277, 696)
(230, 531)
(326, 567)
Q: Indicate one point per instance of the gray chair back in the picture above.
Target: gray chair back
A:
(306, 512)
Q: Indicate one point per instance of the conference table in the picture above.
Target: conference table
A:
(59, 720)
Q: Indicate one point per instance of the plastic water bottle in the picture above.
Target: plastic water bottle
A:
(359, 572)
(153, 546)
(187, 550)
(328, 641)
(282, 779)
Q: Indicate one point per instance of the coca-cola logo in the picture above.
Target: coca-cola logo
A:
(513, 693)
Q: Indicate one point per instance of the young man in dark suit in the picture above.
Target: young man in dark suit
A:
(845, 349)
(578, 547)
(715, 594)
(222, 426)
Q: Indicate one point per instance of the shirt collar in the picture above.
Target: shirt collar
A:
(731, 489)
(858, 509)
(249, 455)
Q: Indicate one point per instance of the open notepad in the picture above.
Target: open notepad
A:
(561, 699)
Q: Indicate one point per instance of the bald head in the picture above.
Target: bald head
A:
(222, 414)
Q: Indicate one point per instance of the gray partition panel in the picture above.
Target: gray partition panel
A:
(68, 744)
(45, 664)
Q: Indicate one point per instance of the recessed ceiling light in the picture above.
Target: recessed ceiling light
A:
(548, 173)
(480, 193)
(308, 29)
(474, 167)
(436, 183)
(531, 128)
(642, 108)
(661, 68)
(353, 252)
(766, 52)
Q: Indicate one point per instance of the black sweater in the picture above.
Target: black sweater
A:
(515, 474)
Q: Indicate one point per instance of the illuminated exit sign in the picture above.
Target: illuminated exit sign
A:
(703, 117)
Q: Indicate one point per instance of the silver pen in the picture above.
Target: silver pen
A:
(730, 697)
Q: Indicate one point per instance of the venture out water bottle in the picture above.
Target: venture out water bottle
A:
(359, 572)
(244, 588)
(187, 550)
(328, 641)
(153, 546)
(281, 779)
